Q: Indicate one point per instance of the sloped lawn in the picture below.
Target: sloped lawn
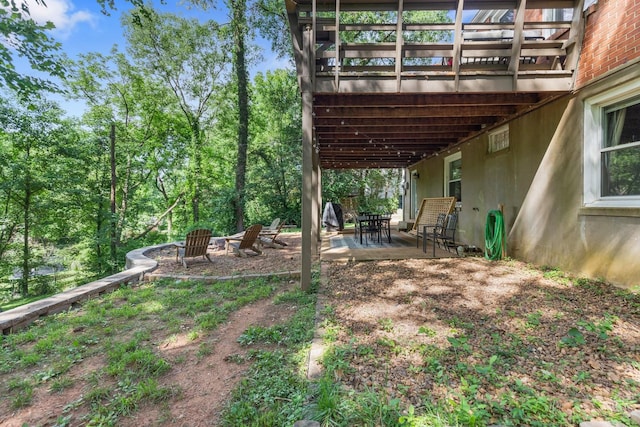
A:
(457, 342)
(169, 352)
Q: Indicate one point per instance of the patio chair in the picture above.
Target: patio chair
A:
(443, 234)
(195, 244)
(269, 235)
(245, 241)
(430, 209)
(447, 238)
(432, 232)
(275, 224)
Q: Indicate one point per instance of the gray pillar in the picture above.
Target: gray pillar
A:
(320, 206)
(307, 162)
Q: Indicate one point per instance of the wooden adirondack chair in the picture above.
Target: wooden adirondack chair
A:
(269, 235)
(245, 241)
(196, 244)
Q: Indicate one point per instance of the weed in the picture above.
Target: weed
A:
(488, 370)
(22, 392)
(204, 349)
(533, 319)
(601, 329)
(393, 345)
(60, 384)
(460, 344)
(581, 376)
(236, 358)
(98, 395)
(573, 338)
(386, 324)
(425, 330)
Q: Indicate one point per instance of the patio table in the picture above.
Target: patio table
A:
(380, 223)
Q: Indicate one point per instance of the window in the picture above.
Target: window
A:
(414, 194)
(499, 139)
(453, 176)
(612, 148)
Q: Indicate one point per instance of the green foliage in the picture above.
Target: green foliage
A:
(573, 338)
(40, 168)
(273, 170)
(375, 191)
(23, 37)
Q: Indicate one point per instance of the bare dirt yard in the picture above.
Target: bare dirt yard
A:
(416, 328)
(498, 337)
(272, 260)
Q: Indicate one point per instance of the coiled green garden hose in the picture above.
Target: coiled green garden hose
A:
(494, 235)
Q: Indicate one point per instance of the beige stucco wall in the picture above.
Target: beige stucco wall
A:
(539, 181)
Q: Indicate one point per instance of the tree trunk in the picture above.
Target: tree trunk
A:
(165, 196)
(239, 31)
(196, 169)
(114, 223)
(24, 282)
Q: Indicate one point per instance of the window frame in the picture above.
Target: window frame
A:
(595, 109)
(447, 170)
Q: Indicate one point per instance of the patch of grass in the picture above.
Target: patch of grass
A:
(117, 332)
(426, 330)
(386, 324)
(21, 392)
(533, 319)
(60, 384)
(275, 391)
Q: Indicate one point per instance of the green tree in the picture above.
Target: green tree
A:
(37, 149)
(275, 171)
(139, 134)
(22, 36)
(189, 57)
(239, 32)
(375, 190)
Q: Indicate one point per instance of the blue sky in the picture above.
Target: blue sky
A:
(81, 27)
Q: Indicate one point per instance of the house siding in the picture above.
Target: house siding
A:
(539, 179)
(539, 182)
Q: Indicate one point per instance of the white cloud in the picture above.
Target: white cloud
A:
(63, 14)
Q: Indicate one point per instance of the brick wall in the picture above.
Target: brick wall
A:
(612, 38)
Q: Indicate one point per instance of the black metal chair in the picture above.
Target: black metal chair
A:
(447, 238)
(431, 231)
(372, 228)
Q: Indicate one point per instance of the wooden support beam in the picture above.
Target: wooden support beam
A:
(399, 43)
(425, 111)
(338, 45)
(307, 159)
(576, 35)
(425, 99)
(518, 26)
(404, 121)
(457, 44)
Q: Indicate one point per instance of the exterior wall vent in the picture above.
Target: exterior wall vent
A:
(499, 139)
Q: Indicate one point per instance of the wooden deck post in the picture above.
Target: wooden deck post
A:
(307, 160)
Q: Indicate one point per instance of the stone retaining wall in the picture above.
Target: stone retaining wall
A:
(137, 266)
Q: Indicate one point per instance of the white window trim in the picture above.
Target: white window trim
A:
(447, 164)
(593, 133)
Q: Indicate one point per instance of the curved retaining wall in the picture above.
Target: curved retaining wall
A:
(137, 266)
